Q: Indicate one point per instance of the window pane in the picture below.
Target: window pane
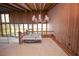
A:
(21, 27)
(44, 27)
(8, 29)
(25, 27)
(12, 30)
(7, 18)
(4, 31)
(30, 26)
(2, 18)
(34, 27)
(16, 29)
(39, 27)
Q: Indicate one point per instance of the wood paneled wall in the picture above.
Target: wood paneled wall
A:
(22, 17)
(64, 21)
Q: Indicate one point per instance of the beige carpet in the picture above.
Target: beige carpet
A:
(46, 48)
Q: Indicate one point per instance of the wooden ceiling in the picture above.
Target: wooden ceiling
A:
(25, 7)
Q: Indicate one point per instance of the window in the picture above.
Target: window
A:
(8, 29)
(2, 18)
(16, 29)
(5, 18)
(30, 27)
(35, 27)
(4, 29)
(5, 25)
(12, 30)
(39, 27)
(44, 27)
(25, 27)
(21, 27)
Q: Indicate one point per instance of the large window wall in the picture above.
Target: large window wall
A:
(8, 29)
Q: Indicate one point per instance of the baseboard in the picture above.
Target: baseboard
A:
(68, 51)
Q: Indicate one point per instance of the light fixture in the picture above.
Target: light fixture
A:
(46, 19)
(39, 19)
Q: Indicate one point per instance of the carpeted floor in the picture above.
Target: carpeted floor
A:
(46, 48)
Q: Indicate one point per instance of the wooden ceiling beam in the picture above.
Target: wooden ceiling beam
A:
(47, 5)
(40, 7)
(35, 6)
(8, 7)
(2, 7)
(51, 6)
(24, 6)
(17, 6)
(5, 10)
(43, 6)
(28, 7)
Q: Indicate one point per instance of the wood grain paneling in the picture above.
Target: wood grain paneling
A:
(23, 17)
(64, 22)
